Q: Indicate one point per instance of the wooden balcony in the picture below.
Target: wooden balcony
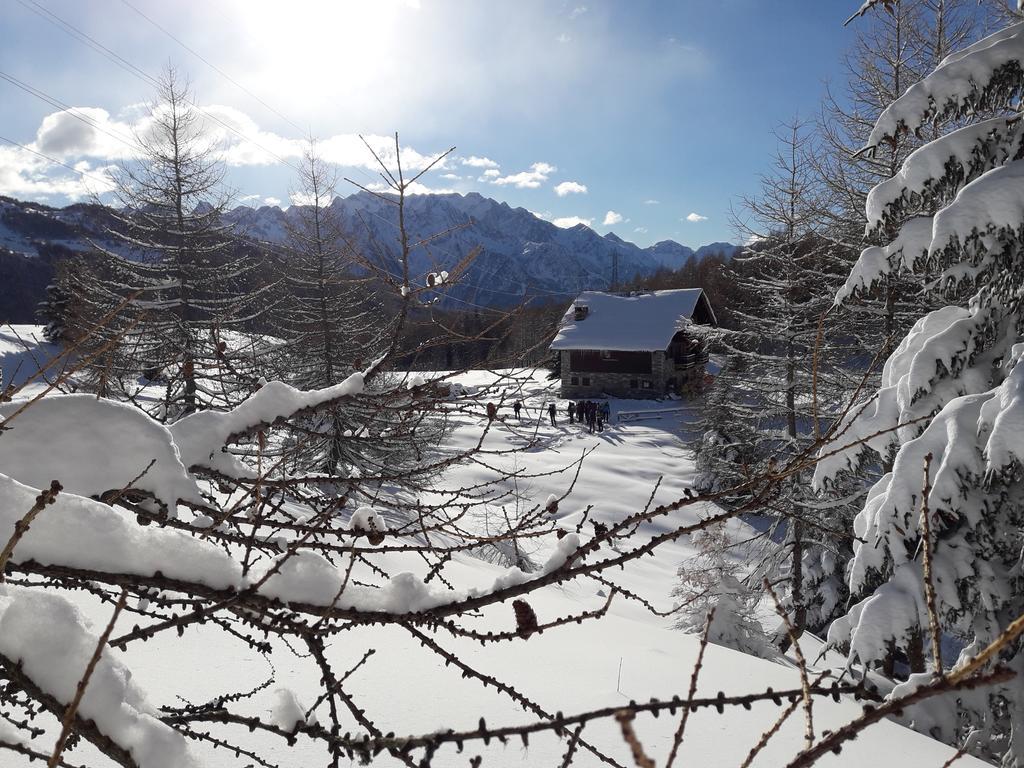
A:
(684, 362)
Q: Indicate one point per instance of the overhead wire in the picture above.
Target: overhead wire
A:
(211, 65)
(58, 104)
(85, 39)
(54, 160)
(126, 65)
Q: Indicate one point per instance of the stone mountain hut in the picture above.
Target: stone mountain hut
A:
(639, 345)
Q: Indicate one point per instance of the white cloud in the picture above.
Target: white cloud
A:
(641, 230)
(490, 173)
(570, 188)
(652, 202)
(612, 218)
(415, 188)
(562, 38)
(695, 218)
(578, 11)
(479, 162)
(349, 150)
(451, 176)
(31, 177)
(272, 201)
(565, 222)
(546, 215)
(81, 136)
(84, 132)
(234, 135)
(530, 179)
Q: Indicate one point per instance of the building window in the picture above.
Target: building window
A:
(586, 381)
(645, 384)
(574, 380)
(633, 383)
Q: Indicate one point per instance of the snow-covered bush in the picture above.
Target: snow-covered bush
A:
(713, 580)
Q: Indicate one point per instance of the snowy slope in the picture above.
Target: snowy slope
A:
(628, 654)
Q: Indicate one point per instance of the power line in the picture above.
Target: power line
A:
(212, 66)
(90, 42)
(85, 39)
(54, 160)
(123, 63)
(226, 76)
(58, 104)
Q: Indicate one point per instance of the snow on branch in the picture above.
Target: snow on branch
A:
(77, 532)
(986, 210)
(94, 446)
(201, 436)
(960, 84)
(47, 638)
(877, 261)
(947, 161)
(911, 389)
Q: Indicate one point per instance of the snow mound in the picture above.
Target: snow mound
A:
(91, 446)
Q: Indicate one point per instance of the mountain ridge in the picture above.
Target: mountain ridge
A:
(521, 255)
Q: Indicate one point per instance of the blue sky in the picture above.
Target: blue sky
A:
(659, 110)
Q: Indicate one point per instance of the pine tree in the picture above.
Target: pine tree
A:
(948, 410)
(61, 310)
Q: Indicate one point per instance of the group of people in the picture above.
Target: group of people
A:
(594, 415)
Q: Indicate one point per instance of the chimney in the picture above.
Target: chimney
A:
(581, 311)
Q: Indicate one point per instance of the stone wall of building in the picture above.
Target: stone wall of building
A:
(617, 384)
(622, 384)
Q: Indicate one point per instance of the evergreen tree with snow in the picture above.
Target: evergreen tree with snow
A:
(61, 310)
(891, 51)
(948, 414)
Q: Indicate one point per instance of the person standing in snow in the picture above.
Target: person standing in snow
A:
(517, 406)
(551, 413)
(492, 411)
(572, 410)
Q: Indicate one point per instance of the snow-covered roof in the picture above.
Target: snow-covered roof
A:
(642, 323)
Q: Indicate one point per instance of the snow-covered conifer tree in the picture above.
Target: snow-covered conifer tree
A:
(62, 310)
(949, 411)
(891, 51)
